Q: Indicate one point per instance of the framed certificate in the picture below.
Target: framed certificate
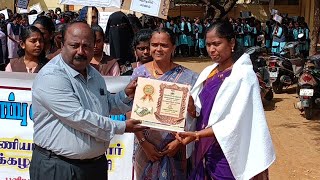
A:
(160, 104)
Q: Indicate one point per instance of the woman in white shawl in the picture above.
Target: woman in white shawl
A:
(232, 137)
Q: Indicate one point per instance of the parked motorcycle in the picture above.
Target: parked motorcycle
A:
(285, 67)
(261, 70)
(309, 86)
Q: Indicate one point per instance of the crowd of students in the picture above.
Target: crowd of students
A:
(189, 33)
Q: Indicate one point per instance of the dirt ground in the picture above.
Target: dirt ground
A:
(296, 140)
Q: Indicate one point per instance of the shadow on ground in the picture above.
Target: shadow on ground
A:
(271, 105)
(191, 59)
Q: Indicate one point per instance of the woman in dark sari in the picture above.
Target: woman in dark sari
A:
(232, 136)
(119, 35)
(158, 155)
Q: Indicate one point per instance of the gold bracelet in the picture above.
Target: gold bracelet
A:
(197, 136)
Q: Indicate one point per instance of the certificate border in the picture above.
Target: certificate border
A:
(168, 119)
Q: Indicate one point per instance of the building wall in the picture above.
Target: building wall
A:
(307, 10)
(6, 4)
(262, 12)
(188, 11)
(259, 11)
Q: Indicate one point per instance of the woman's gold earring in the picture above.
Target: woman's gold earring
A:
(232, 50)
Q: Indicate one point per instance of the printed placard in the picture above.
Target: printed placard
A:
(23, 4)
(32, 18)
(150, 7)
(277, 18)
(158, 8)
(36, 7)
(5, 13)
(103, 19)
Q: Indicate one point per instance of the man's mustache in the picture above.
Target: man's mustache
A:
(80, 58)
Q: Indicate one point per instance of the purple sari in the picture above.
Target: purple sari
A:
(209, 160)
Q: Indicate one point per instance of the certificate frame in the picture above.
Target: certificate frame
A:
(161, 105)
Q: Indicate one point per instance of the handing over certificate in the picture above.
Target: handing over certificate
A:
(160, 104)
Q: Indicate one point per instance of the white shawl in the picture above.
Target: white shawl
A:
(238, 121)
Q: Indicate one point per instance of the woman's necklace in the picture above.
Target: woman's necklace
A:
(156, 72)
(30, 65)
(98, 60)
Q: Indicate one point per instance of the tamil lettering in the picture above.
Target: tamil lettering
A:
(15, 110)
(16, 145)
(21, 163)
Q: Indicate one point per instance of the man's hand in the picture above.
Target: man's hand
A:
(151, 151)
(172, 148)
(133, 126)
(131, 88)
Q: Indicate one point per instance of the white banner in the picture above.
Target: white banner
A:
(22, 11)
(5, 13)
(36, 7)
(32, 18)
(97, 3)
(16, 129)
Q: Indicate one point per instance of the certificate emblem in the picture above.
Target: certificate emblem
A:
(148, 91)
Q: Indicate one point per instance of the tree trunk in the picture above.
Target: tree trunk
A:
(216, 10)
(228, 5)
(316, 29)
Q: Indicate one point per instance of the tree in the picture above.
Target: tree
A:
(214, 8)
(218, 9)
(316, 28)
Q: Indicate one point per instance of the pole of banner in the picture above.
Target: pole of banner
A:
(15, 6)
(143, 19)
(89, 16)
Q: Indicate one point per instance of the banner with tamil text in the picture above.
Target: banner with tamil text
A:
(16, 129)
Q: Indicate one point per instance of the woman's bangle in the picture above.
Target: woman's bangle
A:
(197, 136)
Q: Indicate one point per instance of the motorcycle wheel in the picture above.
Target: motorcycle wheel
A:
(269, 95)
(277, 87)
(308, 112)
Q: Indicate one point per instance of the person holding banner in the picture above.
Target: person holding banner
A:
(158, 155)
(94, 15)
(70, 104)
(32, 57)
(232, 136)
